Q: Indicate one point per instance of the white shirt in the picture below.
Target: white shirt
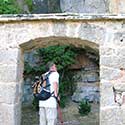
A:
(51, 102)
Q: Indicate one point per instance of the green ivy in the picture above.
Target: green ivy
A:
(9, 7)
(62, 56)
(84, 107)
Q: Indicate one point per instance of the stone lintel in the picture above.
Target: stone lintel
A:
(60, 16)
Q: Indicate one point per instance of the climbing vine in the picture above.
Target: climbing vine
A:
(9, 7)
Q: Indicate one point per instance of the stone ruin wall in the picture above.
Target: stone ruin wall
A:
(19, 34)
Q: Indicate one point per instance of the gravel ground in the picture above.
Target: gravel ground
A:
(70, 115)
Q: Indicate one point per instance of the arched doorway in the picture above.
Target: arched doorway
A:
(49, 41)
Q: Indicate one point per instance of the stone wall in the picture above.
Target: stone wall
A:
(79, 6)
(111, 59)
(75, 6)
(24, 33)
(84, 6)
(93, 6)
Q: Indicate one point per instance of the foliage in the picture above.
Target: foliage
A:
(65, 91)
(9, 7)
(84, 107)
(29, 3)
(35, 104)
(28, 70)
(67, 86)
(63, 101)
(62, 56)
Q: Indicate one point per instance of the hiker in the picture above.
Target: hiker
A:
(48, 108)
(119, 94)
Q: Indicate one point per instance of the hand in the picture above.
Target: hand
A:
(57, 98)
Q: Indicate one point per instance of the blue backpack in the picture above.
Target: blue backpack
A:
(41, 88)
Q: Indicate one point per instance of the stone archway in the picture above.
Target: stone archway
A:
(107, 34)
(75, 42)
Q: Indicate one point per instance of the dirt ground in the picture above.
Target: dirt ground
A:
(70, 115)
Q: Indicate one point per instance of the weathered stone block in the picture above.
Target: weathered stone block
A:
(72, 29)
(119, 86)
(109, 73)
(91, 93)
(110, 61)
(106, 94)
(10, 93)
(59, 29)
(8, 73)
(107, 51)
(88, 32)
(122, 6)
(84, 6)
(113, 6)
(9, 56)
(10, 114)
(111, 116)
(119, 38)
(44, 29)
(121, 51)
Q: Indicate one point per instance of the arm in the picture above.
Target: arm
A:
(56, 89)
(56, 92)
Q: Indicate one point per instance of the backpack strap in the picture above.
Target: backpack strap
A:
(46, 80)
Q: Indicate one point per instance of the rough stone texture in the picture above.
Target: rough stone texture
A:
(27, 91)
(10, 114)
(84, 6)
(86, 91)
(26, 33)
(111, 116)
(75, 6)
(86, 29)
(46, 6)
(121, 6)
(59, 29)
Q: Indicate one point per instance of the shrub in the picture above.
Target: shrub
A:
(63, 100)
(9, 7)
(35, 104)
(84, 107)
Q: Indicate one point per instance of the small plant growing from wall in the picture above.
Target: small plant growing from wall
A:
(84, 107)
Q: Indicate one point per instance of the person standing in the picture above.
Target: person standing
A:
(48, 108)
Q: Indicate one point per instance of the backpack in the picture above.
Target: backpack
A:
(41, 88)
